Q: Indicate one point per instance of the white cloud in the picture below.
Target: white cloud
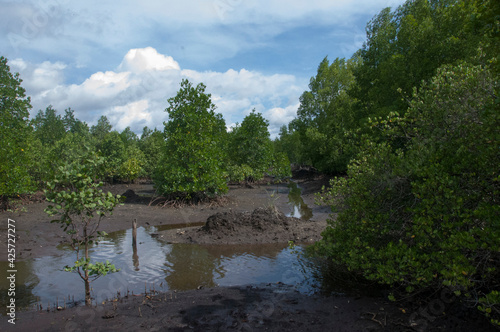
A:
(39, 78)
(102, 85)
(142, 59)
(130, 115)
(136, 93)
(84, 42)
(280, 116)
(87, 32)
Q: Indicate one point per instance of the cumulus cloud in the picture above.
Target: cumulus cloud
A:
(105, 85)
(41, 77)
(134, 114)
(96, 68)
(279, 116)
(135, 94)
(142, 59)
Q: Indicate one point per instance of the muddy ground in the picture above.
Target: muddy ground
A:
(250, 214)
(262, 225)
(36, 236)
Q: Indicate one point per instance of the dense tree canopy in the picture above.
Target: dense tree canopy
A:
(419, 205)
(404, 47)
(325, 117)
(14, 134)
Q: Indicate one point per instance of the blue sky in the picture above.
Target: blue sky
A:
(124, 59)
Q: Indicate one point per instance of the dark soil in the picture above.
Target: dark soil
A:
(250, 215)
(263, 225)
(264, 308)
(275, 307)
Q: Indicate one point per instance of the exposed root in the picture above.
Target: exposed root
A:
(177, 203)
(14, 202)
(372, 318)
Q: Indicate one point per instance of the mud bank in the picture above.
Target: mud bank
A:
(262, 225)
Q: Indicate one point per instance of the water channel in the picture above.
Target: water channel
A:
(162, 266)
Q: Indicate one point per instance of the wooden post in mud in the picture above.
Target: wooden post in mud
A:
(134, 233)
(135, 256)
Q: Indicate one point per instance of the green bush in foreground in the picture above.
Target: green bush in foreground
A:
(81, 205)
(427, 215)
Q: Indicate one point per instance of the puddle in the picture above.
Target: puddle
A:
(299, 208)
(157, 265)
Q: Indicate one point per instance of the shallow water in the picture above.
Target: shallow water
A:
(159, 266)
(156, 265)
(295, 200)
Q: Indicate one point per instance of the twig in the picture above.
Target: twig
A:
(373, 318)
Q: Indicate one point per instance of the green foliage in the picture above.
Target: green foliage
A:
(128, 137)
(132, 167)
(424, 214)
(403, 48)
(113, 151)
(81, 205)
(73, 125)
(152, 145)
(325, 117)
(251, 152)
(249, 144)
(101, 129)
(192, 163)
(280, 167)
(49, 126)
(490, 306)
(240, 173)
(14, 135)
(133, 159)
(57, 141)
(408, 45)
(289, 142)
(76, 196)
(96, 270)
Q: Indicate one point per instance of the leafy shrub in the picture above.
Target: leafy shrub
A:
(280, 168)
(112, 149)
(424, 214)
(81, 205)
(152, 145)
(240, 173)
(130, 169)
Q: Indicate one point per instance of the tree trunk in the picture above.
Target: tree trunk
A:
(88, 300)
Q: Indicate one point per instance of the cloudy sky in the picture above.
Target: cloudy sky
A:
(124, 59)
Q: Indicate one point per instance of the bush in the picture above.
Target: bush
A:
(280, 167)
(426, 215)
(240, 173)
(132, 167)
(81, 205)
